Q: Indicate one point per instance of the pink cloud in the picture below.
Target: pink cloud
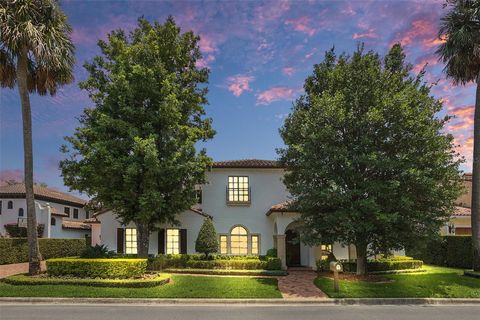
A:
(430, 60)
(288, 71)
(302, 24)
(239, 83)
(370, 34)
(7, 175)
(206, 61)
(422, 31)
(275, 94)
(207, 44)
(348, 10)
(267, 14)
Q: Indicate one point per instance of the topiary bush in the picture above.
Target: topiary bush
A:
(97, 268)
(15, 250)
(272, 252)
(207, 241)
(98, 251)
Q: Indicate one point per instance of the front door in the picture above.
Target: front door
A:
(292, 248)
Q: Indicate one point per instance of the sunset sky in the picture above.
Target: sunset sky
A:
(259, 54)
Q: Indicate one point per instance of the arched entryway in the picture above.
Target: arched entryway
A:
(292, 248)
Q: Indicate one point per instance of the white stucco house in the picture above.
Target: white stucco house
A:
(247, 201)
(62, 214)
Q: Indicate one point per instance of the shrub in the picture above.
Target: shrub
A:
(23, 279)
(196, 261)
(448, 251)
(230, 272)
(99, 251)
(15, 250)
(207, 242)
(15, 231)
(97, 268)
(324, 264)
(272, 252)
(384, 265)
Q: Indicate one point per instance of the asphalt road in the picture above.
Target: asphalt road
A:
(222, 312)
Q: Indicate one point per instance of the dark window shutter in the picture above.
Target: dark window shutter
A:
(120, 240)
(183, 241)
(161, 241)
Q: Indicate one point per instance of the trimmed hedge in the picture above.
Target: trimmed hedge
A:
(97, 268)
(273, 273)
(15, 231)
(24, 279)
(381, 265)
(15, 250)
(448, 251)
(195, 261)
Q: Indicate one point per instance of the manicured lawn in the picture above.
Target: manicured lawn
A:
(181, 287)
(437, 282)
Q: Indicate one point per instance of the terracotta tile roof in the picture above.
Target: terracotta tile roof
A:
(200, 212)
(285, 206)
(41, 193)
(462, 212)
(91, 220)
(467, 176)
(79, 225)
(247, 163)
(54, 212)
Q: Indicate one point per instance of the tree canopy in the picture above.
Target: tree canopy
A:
(367, 160)
(135, 151)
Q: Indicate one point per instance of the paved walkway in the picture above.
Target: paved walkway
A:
(299, 285)
(11, 269)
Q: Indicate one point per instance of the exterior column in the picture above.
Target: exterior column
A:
(281, 250)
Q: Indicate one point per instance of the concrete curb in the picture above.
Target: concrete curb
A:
(324, 301)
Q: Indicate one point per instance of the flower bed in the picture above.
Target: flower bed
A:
(97, 268)
(147, 282)
(193, 261)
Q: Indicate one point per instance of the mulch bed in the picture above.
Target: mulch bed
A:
(354, 277)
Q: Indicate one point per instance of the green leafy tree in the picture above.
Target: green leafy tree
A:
(135, 151)
(460, 52)
(37, 56)
(367, 162)
(207, 241)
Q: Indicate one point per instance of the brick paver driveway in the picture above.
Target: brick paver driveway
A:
(11, 269)
(299, 285)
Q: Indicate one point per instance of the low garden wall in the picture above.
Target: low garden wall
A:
(97, 268)
(15, 250)
(447, 251)
(198, 261)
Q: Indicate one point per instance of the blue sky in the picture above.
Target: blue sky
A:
(259, 53)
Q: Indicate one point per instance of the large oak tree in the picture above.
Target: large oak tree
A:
(367, 160)
(135, 151)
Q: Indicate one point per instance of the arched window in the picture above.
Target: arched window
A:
(53, 221)
(10, 205)
(20, 212)
(239, 240)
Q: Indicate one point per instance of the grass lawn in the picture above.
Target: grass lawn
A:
(437, 282)
(181, 287)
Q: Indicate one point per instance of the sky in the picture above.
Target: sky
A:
(259, 54)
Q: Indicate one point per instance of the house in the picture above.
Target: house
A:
(248, 203)
(460, 222)
(61, 214)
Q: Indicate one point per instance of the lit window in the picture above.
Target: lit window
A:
(239, 241)
(131, 241)
(223, 245)
(255, 244)
(10, 205)
(75, 213)
(20, 212)
(238, 190)
(173, 243)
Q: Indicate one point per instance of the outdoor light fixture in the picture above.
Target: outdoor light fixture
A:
(336, 267)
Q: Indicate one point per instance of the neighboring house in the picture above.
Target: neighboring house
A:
(248, 203)
(62, 214)
(460, 222)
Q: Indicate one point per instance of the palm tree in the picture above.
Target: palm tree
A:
(460, 52)
(37, 54)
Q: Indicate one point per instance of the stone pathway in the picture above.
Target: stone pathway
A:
(299, 285)
(11, 269)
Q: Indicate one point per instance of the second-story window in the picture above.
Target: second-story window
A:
(10, 205)
(238, 190)
(199, 195)
(75, 213)
(20, 212)
(66, 210)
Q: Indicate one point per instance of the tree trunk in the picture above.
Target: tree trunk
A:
(476, 182)
(34, 256)
(361, 257)
(143, 235)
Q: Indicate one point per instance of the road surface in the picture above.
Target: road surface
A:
(245, 312)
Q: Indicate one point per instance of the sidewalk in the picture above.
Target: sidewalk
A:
(11, 269)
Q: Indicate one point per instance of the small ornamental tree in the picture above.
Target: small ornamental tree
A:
(207, 242)
(367, 158)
